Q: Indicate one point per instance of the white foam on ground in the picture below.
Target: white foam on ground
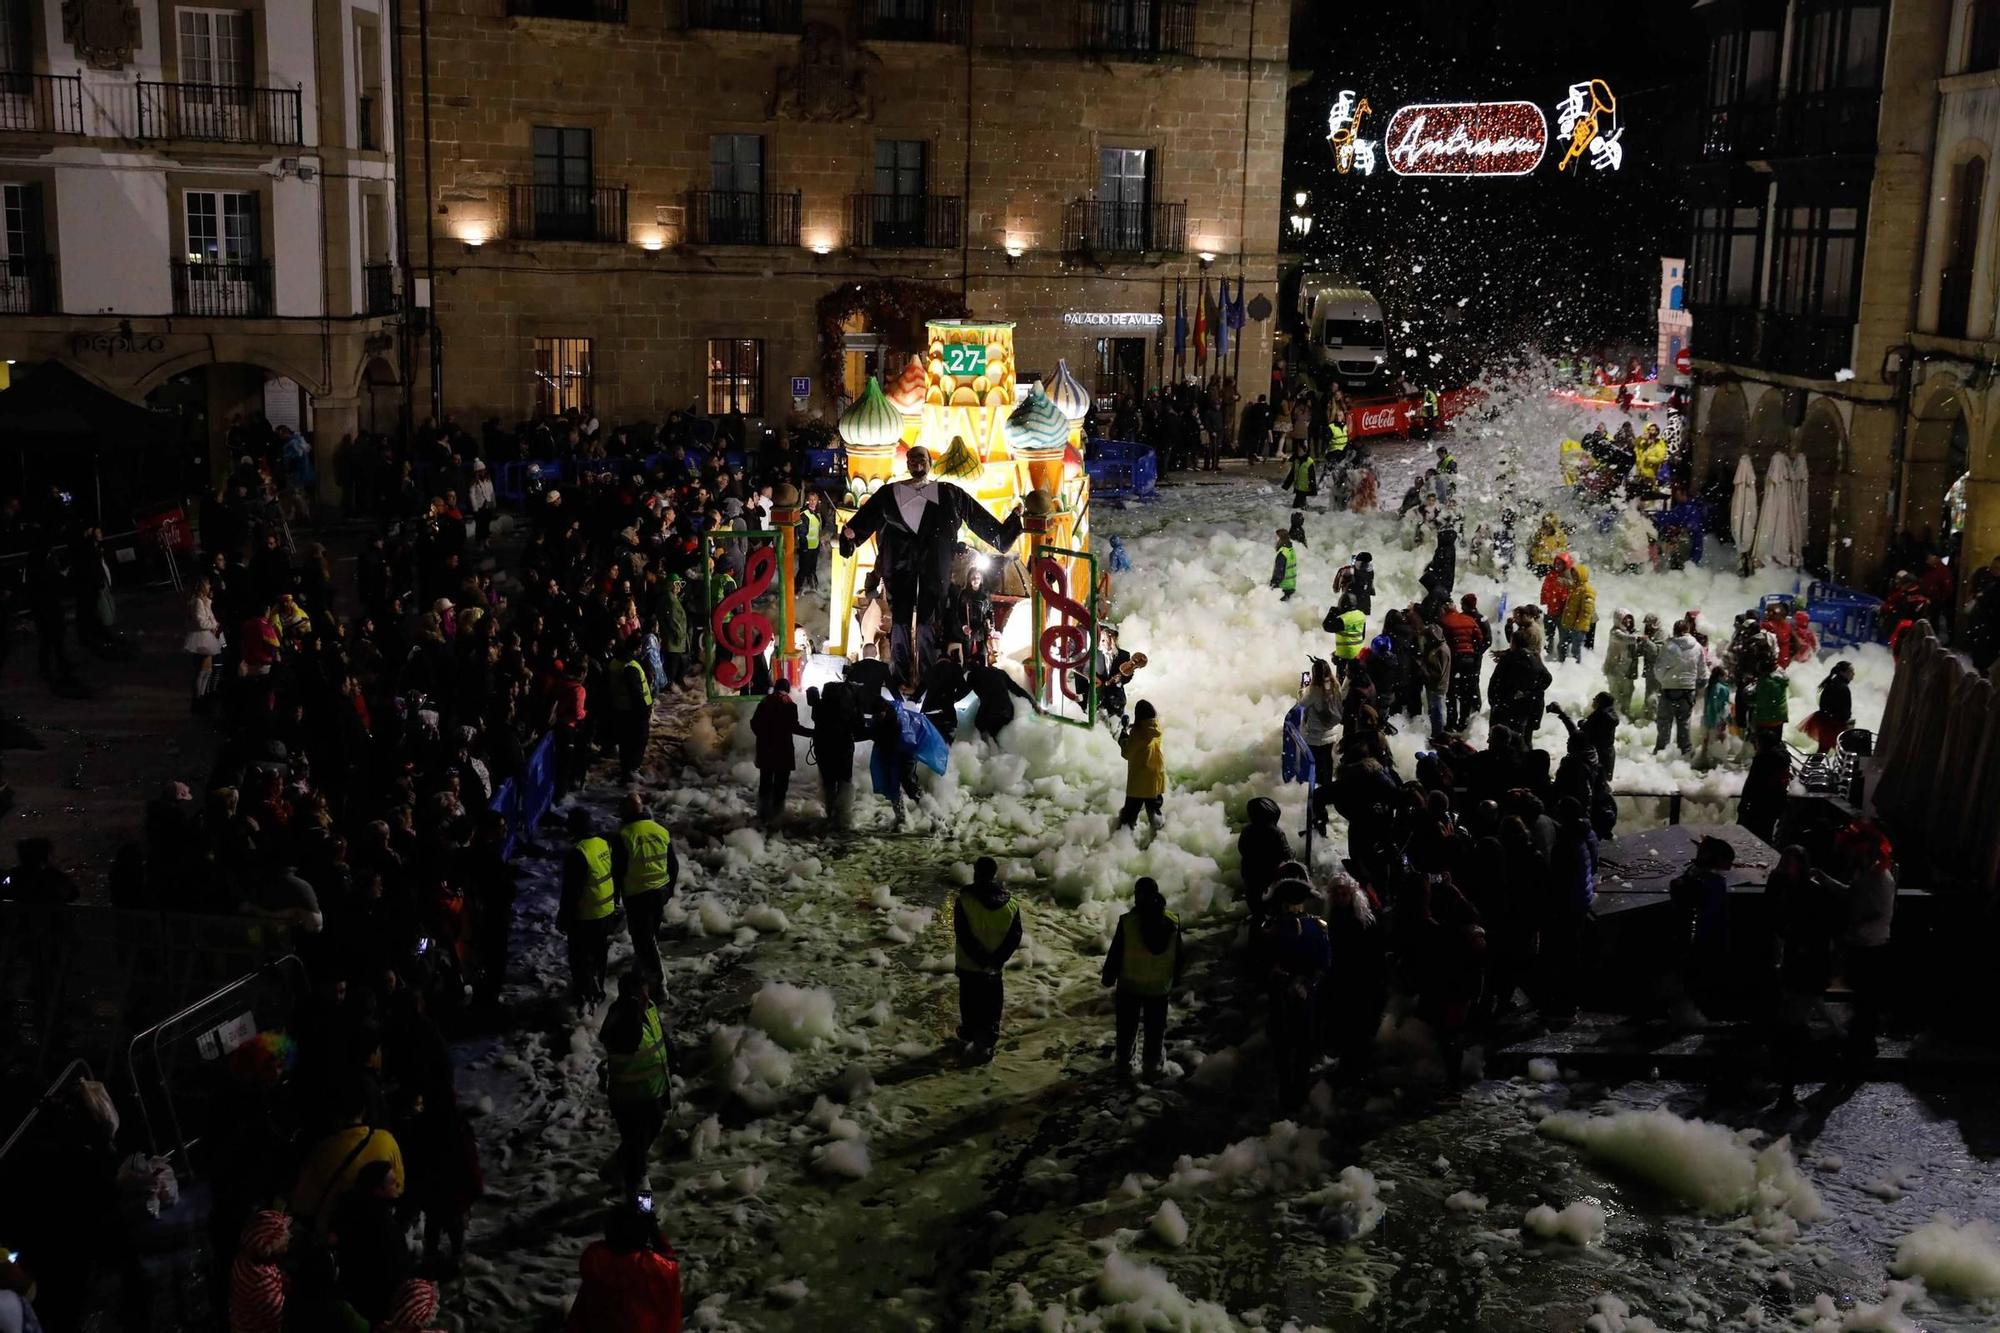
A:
(1580, 1223)
(1963, 1260)
(1708, 1165)
(796, 1016)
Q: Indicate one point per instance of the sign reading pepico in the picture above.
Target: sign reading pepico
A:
(1466, 139)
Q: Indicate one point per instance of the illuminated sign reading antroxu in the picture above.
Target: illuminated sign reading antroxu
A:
(1466, 139)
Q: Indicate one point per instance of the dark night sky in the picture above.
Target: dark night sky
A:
(1482, 266)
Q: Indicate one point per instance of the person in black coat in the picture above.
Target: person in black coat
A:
(1515, 689)
(1262, 847)
(1440, 573)
(996, 690)
(916, 524)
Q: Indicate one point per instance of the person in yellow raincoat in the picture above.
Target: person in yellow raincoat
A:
(1572, 461)
(1551, 539)
(1145, 767)
(1650, 455)
(1579, 615)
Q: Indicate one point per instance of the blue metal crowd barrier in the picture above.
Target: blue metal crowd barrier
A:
(1843, 616)
(523, 800)
(1120, 468)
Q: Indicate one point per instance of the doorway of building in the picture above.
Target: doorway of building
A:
(1121, 367)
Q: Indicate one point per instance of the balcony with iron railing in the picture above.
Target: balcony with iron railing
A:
(1828, 124)
(1741, 130)
(742, 217)
(1809, 346)
(905, 221)
(1104, 228)
(41, 103)
(1728, 333)
(378, 285)
(579, 11)
(592, 213)
(219, 113)
(1136, 29)
(227, 288)
(911, 20)
(27, 285)
(745, 15)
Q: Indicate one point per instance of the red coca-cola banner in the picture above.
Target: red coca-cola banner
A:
(1466, 139)
(1393, 416)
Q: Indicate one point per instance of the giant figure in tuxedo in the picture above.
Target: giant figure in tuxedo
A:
(915, 524)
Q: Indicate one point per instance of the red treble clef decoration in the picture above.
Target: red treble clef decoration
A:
(740, 631)
(1065, 646)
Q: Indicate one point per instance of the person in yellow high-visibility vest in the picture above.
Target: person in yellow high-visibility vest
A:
(986, 930)
(631, 707)
(588, 909)
(1336, 438)
(1285, 569)
(1350, 633)
(645, 869)
(808, 539)
(1144, 962)
(638, 1073)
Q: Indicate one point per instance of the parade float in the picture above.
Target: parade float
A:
(1007, 444)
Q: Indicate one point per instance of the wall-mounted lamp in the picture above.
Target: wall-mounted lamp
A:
(473, 234)
(1207, 257)
(1299, 199)
(1302, 223)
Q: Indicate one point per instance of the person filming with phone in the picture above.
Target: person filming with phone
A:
(631, 1278)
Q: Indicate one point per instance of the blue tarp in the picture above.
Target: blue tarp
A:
(922, 743)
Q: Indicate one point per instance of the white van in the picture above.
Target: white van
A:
(1346, 335)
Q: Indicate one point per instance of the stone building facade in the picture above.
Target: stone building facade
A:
(1815, 161)
(198, 209)
(640, 205)
(1844, 266)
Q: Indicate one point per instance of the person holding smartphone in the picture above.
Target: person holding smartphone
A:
(631, 1278)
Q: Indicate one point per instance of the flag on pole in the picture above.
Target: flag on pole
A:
(1180, 323)
(1200, 327)
(1221, 322)
(1236, 320)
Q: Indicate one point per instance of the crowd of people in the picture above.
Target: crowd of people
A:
(1471, 881)
(364, 735)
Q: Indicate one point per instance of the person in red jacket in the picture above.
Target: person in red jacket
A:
(1780, 628)
(1465, 630)
(631, 1278)
(1555, 587)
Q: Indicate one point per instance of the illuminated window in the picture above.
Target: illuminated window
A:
(562, 375)
(736, 376)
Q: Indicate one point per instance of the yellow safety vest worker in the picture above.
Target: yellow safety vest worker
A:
(812, 530)
(1141, 971)
(1336, 436)
(1289, 580)
(1353, 632)
(989, 926)
(1302, 477)
(638, 671)
(597, 900)
(640, 1075)
(646, 844)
